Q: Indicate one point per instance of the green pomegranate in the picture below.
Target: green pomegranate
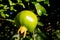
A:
(26, 20)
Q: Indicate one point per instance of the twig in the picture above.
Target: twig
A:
(33, 36)
(2, 19)
(8, 20)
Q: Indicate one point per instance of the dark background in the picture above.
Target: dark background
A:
(51, 22)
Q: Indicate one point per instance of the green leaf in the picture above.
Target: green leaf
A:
(40, 9)
(12, 8)
(22, 4)
(47, 2)
(40, 35)
(1, 5)
(40, 24)
(27, 0)
(19, 1)
(0, 0)
(7, 15)
(31, 38)
(39, 0)
(5, 7)
(57, 33)
(3, 15)
(15, 37)
(11, 3)
(1, 10)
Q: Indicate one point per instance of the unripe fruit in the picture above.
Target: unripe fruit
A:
(28, 19)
